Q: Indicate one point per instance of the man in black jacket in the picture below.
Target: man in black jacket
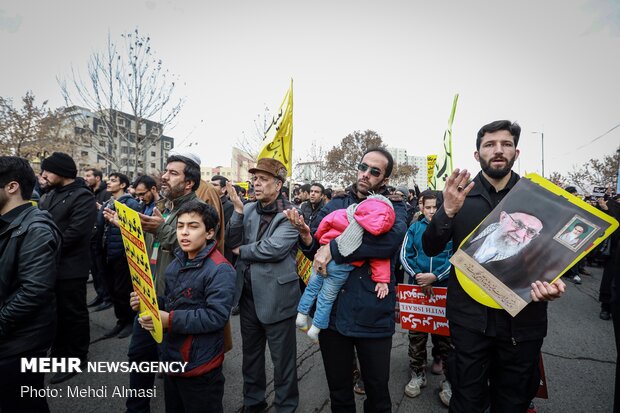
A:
(311, 207)
(360, 323)
(94, 180)
(29, 248)
(495, 356)
(72, 206)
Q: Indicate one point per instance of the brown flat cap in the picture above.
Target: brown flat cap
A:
(270, 166)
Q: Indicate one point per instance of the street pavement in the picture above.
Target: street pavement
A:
(579, 357)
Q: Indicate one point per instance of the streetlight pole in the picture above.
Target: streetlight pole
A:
(542, 145)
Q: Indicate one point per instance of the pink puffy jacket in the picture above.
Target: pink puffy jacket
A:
(374, 216)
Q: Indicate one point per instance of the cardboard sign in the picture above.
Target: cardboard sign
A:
(419, 312)
(599, 191)
(139, 265)
(536, 233)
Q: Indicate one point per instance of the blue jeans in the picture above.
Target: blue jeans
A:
(324, 290)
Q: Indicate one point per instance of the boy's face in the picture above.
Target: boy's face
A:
(192, 233)
(429, 208)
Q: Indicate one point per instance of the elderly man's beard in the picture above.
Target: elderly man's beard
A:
(497, 173)
(503, 248)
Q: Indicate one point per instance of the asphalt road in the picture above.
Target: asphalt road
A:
(579, 356)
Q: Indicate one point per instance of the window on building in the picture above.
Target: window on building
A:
(102, 143)
(120, 121)
(84, 153)
(153, 154)
(101, 130)
(166, 145)
(152, 164)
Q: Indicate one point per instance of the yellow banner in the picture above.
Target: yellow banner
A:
(431, 160)
(278, 142)
(139, 267)
(443, 167)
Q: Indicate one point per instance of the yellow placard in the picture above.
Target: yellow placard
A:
(139, 266)
(431, 160)
(304, 267)
(476, 291)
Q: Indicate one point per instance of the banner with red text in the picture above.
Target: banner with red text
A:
(420, 312)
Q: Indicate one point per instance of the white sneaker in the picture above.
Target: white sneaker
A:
(301, 322)
(445, 394)
(413, 388)
(313, 333)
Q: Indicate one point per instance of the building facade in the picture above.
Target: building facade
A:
(115, 141)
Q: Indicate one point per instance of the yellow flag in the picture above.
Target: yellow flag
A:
(443, 166)
(278, 142)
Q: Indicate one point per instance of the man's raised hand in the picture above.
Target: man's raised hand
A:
(456, 189)
(297, 220)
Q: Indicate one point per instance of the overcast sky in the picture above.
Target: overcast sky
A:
(390, 66)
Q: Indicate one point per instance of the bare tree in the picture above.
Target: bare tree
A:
(32, 130)
(597, 172)
(402, 172)
(252, 142)
(557, 179)
(132, 97)
(310, 167)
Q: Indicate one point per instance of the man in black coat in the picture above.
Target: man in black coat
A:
(72, 206)
(29, 248)
(495, 356)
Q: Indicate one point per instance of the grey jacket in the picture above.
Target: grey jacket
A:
(273, 269)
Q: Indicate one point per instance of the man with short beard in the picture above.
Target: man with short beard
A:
(495, 357)
(360, 322)
(73, 208)
(94, 180)
(315, 202)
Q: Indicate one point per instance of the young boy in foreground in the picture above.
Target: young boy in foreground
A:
(200, 287)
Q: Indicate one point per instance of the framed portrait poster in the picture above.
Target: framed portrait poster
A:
(536, 233)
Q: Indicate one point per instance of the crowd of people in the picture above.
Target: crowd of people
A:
(217, 250)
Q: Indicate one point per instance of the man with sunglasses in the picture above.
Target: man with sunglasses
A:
(494, 362)
(359, 321)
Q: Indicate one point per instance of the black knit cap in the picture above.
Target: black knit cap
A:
(60, 164)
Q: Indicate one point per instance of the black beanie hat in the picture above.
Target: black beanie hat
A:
(60, 164)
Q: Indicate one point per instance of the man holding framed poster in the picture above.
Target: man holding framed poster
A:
(495, 356)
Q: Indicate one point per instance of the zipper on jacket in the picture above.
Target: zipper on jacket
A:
(514, 342)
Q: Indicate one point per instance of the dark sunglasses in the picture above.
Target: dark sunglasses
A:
(362, 167)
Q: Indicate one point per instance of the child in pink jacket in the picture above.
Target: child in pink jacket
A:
(375, 215)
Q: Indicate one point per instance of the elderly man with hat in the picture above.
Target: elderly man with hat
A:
(72, 206)
(267, 288)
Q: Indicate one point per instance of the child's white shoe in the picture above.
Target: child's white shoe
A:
(313, 333)
(301, 322)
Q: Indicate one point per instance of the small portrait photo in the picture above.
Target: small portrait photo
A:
(576, 233)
